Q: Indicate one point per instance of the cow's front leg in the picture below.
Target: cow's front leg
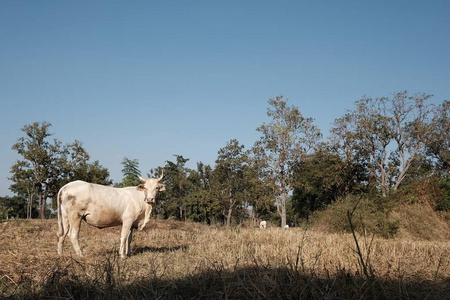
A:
(124, 237)
(130, 237)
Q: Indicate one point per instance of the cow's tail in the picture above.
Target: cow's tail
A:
(60, 219)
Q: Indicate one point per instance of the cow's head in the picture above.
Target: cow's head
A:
(151, 187)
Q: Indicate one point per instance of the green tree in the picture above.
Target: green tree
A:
(344, 142)
(319, 179)
(38, 173)
(130, 173)
(24, 185)
(443, 203)
(93, 173)
(13, 207)
(228, 175)
(200, 204)
(177, 187)
(285, 141)
(260, 192)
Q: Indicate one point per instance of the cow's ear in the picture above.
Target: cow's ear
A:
(162, 187)
(141, 187)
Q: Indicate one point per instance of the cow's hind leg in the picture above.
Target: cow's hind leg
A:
(74, 231)
(62, 234)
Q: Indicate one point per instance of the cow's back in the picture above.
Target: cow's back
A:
(76, 193)
(100, 206)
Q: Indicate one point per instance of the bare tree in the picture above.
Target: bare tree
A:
(284, 141)
(439, 146)
(389, 133)
(413, 128)
(374, 133)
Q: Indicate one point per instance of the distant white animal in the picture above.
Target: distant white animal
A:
(103, 206)
(262, 224)
(286, 226)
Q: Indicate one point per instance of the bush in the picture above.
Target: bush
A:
(4, 211)
(443, 202)
(370, 216)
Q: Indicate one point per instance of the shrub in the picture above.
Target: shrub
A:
(4, 211)
(443, 202)
(370, 216)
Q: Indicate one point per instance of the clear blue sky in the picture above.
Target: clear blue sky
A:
(149, 79)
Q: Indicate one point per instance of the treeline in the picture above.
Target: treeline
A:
(377, 147)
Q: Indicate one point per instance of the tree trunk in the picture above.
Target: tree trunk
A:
(384, 176)
(406, 163)
(230, 210)
(41, 206)
(29, 206)
(30, 203)
(283, 209)
(383, 184)
(283, 197)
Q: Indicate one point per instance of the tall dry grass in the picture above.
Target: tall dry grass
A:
(172, 260)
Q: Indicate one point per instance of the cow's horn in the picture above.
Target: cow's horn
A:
(162, 175)
(142, 179)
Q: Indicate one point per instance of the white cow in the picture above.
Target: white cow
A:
(103, 206)
(262, 224)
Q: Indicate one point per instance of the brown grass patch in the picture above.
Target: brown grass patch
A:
(421, 222)
(174, 260)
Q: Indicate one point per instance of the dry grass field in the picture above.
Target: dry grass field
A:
(174, 260)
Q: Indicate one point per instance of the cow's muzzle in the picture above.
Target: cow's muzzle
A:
(150, 200)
